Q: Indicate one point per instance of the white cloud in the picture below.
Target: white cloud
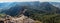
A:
(49, 0)
(17, 0)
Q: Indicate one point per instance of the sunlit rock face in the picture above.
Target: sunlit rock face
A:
(22, 19)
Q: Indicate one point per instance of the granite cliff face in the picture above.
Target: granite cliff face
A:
(21, 19)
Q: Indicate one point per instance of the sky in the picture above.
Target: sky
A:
(29, 0)
(17, 0)
(49, 0)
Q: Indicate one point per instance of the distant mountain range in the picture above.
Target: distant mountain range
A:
(57, 4)
(13, 8)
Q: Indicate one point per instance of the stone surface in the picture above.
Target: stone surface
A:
(22, 19)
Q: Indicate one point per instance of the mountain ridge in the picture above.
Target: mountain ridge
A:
(35, 6)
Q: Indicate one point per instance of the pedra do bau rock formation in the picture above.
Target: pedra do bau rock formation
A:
(20, 19)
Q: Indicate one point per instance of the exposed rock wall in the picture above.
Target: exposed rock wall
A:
(22, 19)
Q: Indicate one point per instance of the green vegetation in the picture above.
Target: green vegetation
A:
(46, 13)
(46, 18)
(2, 15)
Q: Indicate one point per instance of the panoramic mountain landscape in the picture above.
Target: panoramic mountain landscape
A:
(43, 12)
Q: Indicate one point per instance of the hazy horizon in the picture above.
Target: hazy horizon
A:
(1, 1)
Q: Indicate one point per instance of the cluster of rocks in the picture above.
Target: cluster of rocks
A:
(22, 19)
